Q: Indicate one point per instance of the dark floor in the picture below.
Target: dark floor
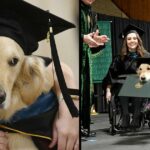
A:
(105, 141)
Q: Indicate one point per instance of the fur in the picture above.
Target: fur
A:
(22, 80)
(144, 72)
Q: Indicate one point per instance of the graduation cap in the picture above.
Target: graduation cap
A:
(142, 60)
(27, 25)
(131, 29)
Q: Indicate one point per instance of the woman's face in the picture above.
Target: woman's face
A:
(132, 41)
(88, 2)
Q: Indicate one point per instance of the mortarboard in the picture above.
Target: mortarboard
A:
(131, 29)
(27, 25)
(142, 60)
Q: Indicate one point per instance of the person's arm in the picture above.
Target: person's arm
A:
(66, 128)
(3, 141)
(108, 93)
(107, 86)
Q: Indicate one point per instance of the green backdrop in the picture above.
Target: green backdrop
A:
(101, 60)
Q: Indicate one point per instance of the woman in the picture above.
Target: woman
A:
(125, 63)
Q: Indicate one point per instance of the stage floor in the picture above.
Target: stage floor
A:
(105, 141)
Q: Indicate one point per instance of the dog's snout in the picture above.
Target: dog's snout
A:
(143, 78)
(2, 96)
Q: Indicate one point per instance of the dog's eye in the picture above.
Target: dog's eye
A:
(140, 68)
(148, 68)
(13, 61)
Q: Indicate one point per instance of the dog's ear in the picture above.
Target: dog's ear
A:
(47, 60)
(35, 72)
(32, 67)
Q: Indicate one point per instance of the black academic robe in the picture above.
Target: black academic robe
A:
(119, 68)
(35, 120)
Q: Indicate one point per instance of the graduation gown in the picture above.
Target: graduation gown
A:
(121, 67)
(85, 68)
(35, 121)
(88, 25)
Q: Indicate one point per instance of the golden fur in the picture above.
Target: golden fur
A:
(22, 80)
(144, 72)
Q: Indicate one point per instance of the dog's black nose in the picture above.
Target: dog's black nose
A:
(143, 78)
(2, 96)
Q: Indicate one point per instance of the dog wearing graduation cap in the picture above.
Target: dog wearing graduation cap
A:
(143, 70)
(25, 79)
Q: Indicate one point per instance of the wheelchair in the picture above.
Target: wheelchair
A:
(115, 115)
(115, 111)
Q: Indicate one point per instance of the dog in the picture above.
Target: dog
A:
(22, 80)
(143, 72)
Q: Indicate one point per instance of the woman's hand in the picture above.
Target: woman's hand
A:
(66, 130)
(108, 94)
(3, 141)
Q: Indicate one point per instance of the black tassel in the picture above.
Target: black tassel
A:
(65, 92)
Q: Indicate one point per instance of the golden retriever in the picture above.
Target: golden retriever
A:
(143, 72)
(22, 80)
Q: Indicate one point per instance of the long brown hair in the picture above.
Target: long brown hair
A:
(140, 48)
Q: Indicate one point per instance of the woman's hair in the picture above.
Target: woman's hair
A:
(140, 48)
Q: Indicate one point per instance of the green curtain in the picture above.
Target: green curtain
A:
(101, 61)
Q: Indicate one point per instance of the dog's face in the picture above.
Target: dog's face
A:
(144, 72)
(11, 59)
(27, 76)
